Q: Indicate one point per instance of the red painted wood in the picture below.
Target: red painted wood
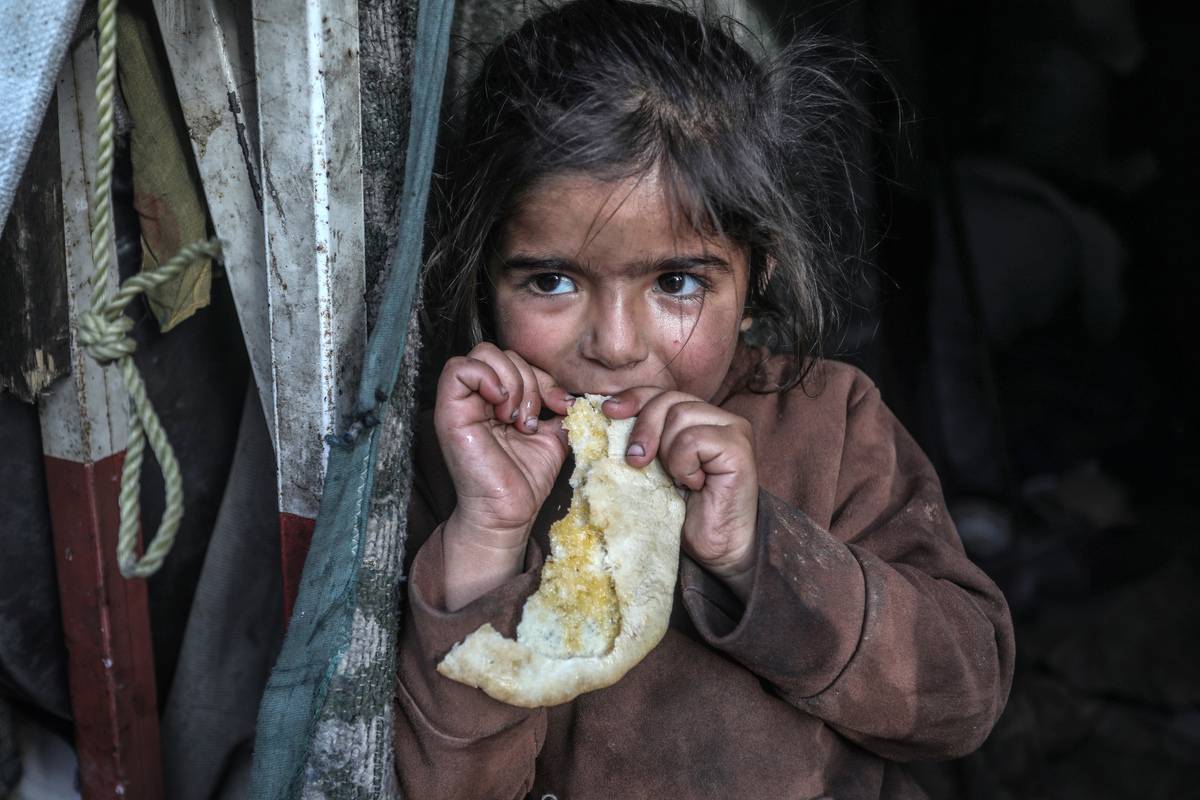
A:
(295, 536)
(106, 622)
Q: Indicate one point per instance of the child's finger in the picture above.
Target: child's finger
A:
(509, 410)
(470, 383)
(686, 414)
(531, 400)
(646, 435)
(628, 403)
(554, 396)
(699, 452)
(554, 427)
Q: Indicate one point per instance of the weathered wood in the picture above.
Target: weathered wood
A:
(354, 726)
(34, 337)
(386, 30)
(307, 67)
(84, 419)
(85, 431)
(106, 626)
(295, 537)
(208, 47)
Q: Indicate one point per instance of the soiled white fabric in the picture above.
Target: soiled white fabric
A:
(34, 36)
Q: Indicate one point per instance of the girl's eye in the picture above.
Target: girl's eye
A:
(681, 284)
(551, 283)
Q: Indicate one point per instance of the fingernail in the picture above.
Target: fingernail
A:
(612, 400)
(513, 416)
(531, 423)
(635, 450)
(503, 392)
(568, 398)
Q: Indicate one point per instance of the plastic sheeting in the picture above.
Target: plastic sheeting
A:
(33, 42)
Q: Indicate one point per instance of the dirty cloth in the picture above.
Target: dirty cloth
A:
(33, 41)
(233, 631)
(33, 658)
(10, 751)
(868, 638)
(166, 189)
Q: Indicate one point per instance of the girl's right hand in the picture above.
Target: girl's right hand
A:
(503, 462)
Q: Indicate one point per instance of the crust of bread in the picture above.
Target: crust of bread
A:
(640, 515)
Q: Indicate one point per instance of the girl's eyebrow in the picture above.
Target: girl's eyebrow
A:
(687, 263)
(524, 263)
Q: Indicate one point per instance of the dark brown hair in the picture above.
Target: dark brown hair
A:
(759, 150)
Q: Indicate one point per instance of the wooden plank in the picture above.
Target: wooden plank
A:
(84, 418)
(311, 155)
(34, 341)
(386, 31)
(106, 626)
(84, 434)
(295, 537)
(208, 47)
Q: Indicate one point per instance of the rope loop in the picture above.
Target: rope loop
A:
(104, 332)
(104, 335)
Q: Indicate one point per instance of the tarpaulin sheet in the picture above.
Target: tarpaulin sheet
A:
(33, 41)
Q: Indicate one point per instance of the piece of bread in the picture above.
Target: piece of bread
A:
(606, 589)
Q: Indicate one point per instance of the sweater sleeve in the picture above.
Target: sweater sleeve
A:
(879, 625)
(451, 740)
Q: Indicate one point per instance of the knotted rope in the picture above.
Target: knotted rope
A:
(104, 331)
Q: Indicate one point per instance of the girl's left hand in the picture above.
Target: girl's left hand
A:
(711, 452)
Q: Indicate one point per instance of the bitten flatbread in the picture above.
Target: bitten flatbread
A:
(606, 589)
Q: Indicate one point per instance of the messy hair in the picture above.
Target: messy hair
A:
(758, 150)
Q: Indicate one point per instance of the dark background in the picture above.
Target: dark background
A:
(1031, 321)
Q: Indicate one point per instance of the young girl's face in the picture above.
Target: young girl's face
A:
(600, 285)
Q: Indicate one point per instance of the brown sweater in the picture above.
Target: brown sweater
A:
(868, 637)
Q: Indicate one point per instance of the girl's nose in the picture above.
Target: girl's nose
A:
(615, 339)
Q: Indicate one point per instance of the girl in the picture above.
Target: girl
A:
(636, 199)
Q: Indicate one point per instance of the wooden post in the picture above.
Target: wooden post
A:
(84, 434)
(307, 66)
(34, 343)
(212, 64)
